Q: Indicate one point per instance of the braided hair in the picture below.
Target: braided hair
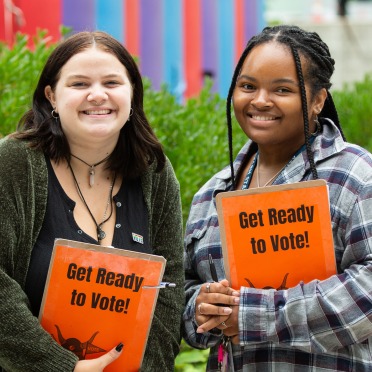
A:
(320, 67)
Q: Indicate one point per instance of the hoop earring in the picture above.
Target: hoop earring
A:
(318, 127)
(55, 114)
(130, 114)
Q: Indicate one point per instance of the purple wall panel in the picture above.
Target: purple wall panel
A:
(210, 40)
(151, 40)
(79, 15)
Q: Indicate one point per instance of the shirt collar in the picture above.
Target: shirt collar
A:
(326, 144)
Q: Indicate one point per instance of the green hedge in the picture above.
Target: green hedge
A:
(193, 134)
(19, 71)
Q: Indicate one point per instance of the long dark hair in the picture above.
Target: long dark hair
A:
(137, 145)
(319, 69)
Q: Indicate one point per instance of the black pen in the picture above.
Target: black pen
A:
(213, 269)
(161, 285)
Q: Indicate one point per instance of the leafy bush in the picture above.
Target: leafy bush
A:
(191, 360)
(19, 70)
(355, 111)
(193, 134)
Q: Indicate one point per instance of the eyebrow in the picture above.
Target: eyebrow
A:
(87, 77)
(276, 81)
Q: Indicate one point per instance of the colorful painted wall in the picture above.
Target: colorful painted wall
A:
(178, 42)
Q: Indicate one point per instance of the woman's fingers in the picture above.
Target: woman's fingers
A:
(98, 364)
(224, 318)
(216, 293)
(220, 287)
(232, 323)
(112, 355)
(210, 309)
(205, 311)
(200, 317)
(213, 322)
(215, 300)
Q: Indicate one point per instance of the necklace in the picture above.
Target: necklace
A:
(255, 164)
(91, 166)
(100, 233)
(258, 174)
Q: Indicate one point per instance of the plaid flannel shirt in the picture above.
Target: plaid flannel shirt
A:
(319, 326)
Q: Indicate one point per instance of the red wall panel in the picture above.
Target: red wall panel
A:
(41, 14)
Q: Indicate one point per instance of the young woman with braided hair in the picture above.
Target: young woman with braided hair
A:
(281, 100)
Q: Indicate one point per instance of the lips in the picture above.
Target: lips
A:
(97, 112)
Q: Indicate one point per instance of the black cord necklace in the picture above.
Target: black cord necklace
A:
(91, 166)
(100, 233)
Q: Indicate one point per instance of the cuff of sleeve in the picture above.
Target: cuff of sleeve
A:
(60, 360)
(253, 315)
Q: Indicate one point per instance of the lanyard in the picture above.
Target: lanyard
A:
(248, 177)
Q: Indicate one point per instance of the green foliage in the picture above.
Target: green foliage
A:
(191, 360)
(355, 111)
(19, 70)
(194, 135)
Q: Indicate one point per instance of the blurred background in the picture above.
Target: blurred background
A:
(186, 51)
(181, 42)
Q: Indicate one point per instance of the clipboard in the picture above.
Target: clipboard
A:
(94, 299)
(277, 236)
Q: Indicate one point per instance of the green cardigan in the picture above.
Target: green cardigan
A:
(24, 345)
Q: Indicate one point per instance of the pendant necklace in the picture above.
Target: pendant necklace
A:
(100, 233)
(258, 174)
(91, 168)
(256, 164)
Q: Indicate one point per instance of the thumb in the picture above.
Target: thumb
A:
(98, 364)
(112, 355)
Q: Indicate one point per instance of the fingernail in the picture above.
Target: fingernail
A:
(237, 300)
(119, 348)
(200, 330)
(236, 293)
(227, 310)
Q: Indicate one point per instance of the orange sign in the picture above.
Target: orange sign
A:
(277, 236)
(94, 299)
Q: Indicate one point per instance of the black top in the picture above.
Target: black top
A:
(131, 227)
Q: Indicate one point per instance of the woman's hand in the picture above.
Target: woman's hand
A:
(214, 305)
(231, 324)
(98, 364)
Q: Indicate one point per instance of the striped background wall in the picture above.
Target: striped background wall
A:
(177, 42)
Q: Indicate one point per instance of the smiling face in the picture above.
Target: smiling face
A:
(267, 98)
(92, 96)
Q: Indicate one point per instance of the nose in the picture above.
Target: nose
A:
(97, 95)
(261, 100)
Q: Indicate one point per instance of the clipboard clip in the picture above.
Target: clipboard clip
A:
(161, 285)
